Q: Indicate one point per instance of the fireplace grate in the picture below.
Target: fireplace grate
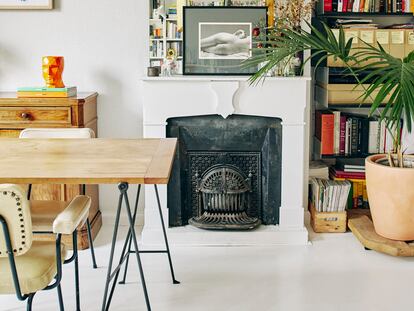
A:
(223, 199)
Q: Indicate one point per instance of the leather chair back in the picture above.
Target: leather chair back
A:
(15, 209)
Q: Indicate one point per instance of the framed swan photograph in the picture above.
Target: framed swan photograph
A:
(218, 39)
(26, 4)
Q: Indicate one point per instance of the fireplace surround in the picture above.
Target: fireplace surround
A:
(284, 98)
(243, 150)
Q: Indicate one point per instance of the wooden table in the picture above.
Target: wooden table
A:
(95, 161)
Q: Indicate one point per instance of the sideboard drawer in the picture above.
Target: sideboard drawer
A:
(9, 133)
(35, 115)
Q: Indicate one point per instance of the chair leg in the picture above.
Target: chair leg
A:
(75, 250)
(90, 239)
(60, 297)
(30, 302)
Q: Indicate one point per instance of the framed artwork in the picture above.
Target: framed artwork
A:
(217, 40)
(26, 4)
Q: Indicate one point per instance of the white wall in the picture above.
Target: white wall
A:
(104, 45)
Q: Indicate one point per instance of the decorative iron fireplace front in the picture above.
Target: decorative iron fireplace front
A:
(227, 172)
(223, 193)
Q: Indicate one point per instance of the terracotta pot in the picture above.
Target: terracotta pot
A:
(391, 198)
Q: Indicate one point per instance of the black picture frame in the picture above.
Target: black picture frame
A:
(219, 15)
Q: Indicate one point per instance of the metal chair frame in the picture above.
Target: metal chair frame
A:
(58, 277)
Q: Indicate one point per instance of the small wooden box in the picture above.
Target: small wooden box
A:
(327, 222)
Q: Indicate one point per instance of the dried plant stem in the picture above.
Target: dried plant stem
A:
(390, 159)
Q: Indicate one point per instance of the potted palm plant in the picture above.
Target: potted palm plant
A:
(389, 176)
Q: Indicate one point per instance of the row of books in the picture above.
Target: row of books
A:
(352, 170)
(172, 31)
(397, 42)
(368, 6)
(337, 133)
(27, 92)
(176, 46)
(358, 197)
(157, 49)
(155, 32)
(329, 195)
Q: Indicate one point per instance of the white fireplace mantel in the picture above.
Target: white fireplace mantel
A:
(285, 98)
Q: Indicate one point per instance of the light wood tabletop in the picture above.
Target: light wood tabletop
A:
(86, 161)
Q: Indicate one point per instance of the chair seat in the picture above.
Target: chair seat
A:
(36, 268)
(44, 213)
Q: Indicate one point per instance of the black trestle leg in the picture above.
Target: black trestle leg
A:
(129, 237)
(111, 256)
(123, 187)
(165, 236)
(125, 253)
(127, 260)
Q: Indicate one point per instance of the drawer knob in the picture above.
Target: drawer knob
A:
(25, 115)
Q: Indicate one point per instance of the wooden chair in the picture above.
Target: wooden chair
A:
(43, 212)
(28, 266)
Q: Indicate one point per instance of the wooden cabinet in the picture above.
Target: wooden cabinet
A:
(17, 114)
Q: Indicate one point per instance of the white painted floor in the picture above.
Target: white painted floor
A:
(335, 273)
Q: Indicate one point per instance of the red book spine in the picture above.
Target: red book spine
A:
(327, 134)
(345, 6)
(342, 128)
(327, 5)
(403, 6)
(350, 5)
(342, 174)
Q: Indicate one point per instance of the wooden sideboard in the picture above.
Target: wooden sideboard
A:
(17, 114)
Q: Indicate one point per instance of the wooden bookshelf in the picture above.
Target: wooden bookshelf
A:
(362, 14)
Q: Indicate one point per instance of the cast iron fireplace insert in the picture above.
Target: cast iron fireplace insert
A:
(227, 172)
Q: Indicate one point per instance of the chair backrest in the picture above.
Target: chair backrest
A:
(15, 209)
(57, 133)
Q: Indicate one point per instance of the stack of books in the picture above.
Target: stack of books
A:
(348, 23)
(329, 195)
(352, 170)
(46, 92)
(318, 169)
(342, 134)
(368, 6)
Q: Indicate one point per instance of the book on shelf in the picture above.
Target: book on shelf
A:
(338, 173)
(324, 131)
(358, 197)
(368, 6)
(329, 195)
(354, 165)
(345, 134)
(318, 169)
(46, 92)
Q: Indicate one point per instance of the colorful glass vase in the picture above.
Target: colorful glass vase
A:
(52, 67)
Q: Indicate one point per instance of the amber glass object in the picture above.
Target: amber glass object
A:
(52, 67)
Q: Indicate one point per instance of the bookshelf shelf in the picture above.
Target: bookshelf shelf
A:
(338, 106)
(361, 14)
(342, 156)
